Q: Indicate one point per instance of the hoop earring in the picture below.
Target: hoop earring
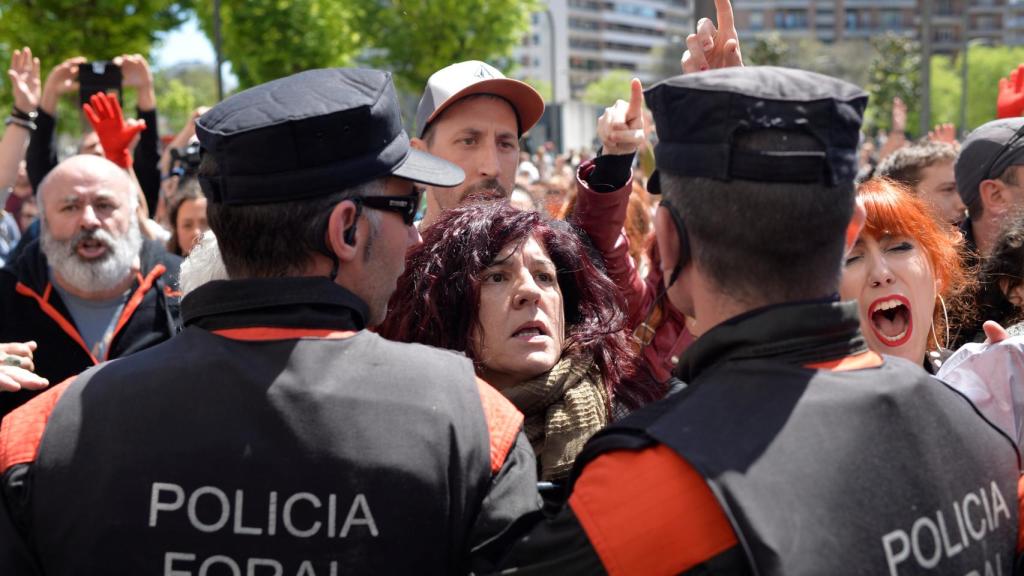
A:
(945, 321)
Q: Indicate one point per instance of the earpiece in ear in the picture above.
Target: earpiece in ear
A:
(350, 232)
(350, 235)
(684, 242)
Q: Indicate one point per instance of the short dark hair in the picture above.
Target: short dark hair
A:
(905, 165)
(765, 242)
(437, 300)
(279, 239)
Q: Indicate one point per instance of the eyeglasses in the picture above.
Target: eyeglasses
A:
(1006, 148)
(405, 206)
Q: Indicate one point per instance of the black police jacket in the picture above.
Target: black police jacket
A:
(793, 450)
(272, 436)
(31, 309)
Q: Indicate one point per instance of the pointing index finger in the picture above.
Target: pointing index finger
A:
(724, 9)
(636, 100)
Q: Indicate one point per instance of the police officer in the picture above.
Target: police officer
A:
(276, 435)
(794, 449)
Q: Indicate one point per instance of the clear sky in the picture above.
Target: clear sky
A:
(189, 44)
(186, 44)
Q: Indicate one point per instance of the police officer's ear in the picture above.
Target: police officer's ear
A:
(667, 237)
(860, 215)
(342, 230)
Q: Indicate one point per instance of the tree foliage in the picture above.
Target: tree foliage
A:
(268, 39)
(59, 29)
(614, 85)
(414, 38)
(767, 50)
(894, 72)
(181, 89)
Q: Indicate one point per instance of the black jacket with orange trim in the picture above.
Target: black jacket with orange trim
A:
(793, 450)
(30, 309)
(272, 435)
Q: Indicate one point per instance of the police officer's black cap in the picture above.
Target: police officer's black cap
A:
(698, 117)
(312, 134)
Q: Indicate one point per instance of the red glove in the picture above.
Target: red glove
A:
(1010, 103)
(116, 135)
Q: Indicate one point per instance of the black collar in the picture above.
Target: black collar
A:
(794, 332)
(305, 302)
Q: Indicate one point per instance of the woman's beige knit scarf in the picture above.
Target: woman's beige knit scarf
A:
(564, 408)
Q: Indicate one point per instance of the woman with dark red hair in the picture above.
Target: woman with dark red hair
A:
(519, 295)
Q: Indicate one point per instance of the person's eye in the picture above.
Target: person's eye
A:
(467, 141)
(505, 145)
(69, 208)
(852, 259)
(903, 246)
(494, 277)
(546, 277)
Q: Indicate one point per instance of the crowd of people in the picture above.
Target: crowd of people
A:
(736, 338)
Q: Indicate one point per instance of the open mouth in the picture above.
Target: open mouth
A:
(530, 330)
(90, 248)
(891, 320)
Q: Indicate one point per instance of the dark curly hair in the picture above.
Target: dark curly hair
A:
(1000, 272)
(437, 299)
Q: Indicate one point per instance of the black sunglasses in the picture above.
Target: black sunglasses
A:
(1002, 151)
(406, 206)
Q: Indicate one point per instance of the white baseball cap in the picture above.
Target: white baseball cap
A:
(453, 83)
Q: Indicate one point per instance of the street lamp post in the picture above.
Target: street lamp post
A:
(217, 49)
(963, 81)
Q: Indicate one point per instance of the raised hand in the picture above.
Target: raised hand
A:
(713, 47)
(62, 79)
(24, 77)
(621, 127)
(1010, 102)
(135, 73)
(115, 134)
(943, 133)
(899, 116)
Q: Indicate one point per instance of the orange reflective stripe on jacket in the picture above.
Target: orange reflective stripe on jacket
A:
(503, 423)
(649, 512)
(265, 334)
(49, 310)
(21, 431)
(860, 361)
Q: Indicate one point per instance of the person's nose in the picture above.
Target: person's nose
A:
(527, 291)
(414, 238)
(90, 221)
(880, 274)
(489, 166)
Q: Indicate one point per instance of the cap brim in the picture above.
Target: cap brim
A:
(426, 168)
(528, 102)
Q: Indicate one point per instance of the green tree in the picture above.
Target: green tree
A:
(894, 71)
(59, 29)
(268, 39)
(945, 90)
(181, 89)
(614, 85)
(541, 86)
(985, 66)
(767, 50)
(414, 38)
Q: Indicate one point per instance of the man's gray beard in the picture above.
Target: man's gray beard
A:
(99, 275)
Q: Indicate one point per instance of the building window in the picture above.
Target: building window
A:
(635, 10)
(791, 19)
(892, 19)
(757, 20)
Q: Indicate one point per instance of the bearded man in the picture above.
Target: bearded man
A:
(91, 289)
